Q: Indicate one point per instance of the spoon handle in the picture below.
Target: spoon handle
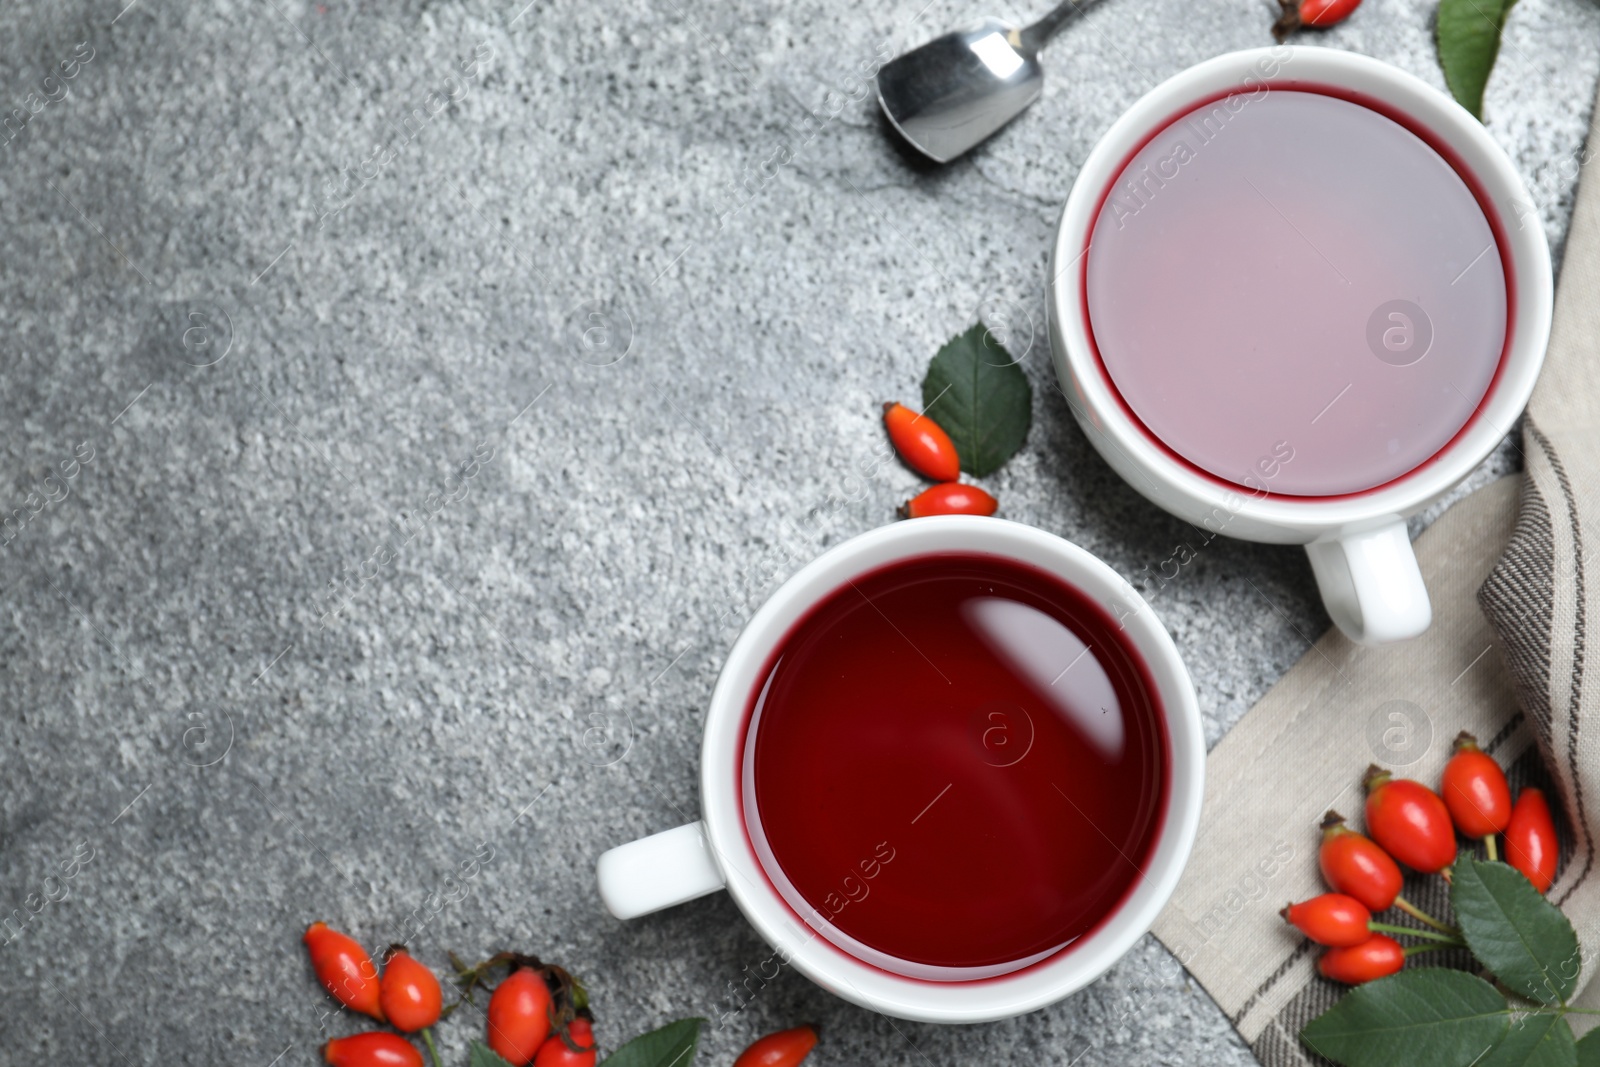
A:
(1041, 31)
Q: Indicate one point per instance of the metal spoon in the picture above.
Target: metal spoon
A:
(951, 93)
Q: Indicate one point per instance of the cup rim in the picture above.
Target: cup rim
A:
(1448, 127)
(977, 1000)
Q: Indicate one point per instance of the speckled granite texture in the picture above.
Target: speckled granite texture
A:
(412, 392)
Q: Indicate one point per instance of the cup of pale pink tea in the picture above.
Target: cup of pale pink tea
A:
(1296, 296)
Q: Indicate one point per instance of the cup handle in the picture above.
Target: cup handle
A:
(1371, 585)
(658, 871)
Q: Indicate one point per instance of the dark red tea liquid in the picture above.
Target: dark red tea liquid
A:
(956, 766)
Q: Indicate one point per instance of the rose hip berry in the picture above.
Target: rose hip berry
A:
(1332, 919)
(1410, 821)
(951, 498)
(1356, 866)
(1376, 957)
(1317, 13)
(376, 1049)
(782, 1049)
(1474, 788)
(519, 1016)
(344, 969)
(408, 992)
(922, 443)
(1531, 845)
(557, 1052)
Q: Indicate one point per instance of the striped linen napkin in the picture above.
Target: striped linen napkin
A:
(1516, 593)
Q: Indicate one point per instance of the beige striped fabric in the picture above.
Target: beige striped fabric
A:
(1512, 574)
(1541, 597)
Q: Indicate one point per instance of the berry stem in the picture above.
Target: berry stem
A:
(1412, 950)
(1421, 916)
(1411, 931)
(1490, 848)
(427, 1039)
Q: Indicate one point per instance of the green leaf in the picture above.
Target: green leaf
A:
(1589, 1049)
(1543, 1040)
(978, 394)
(1431, 1015)
(481, 1055)
(1514, 931)
(671, 1046)
(1468, 34)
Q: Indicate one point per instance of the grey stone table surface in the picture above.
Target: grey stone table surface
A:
(405, 403)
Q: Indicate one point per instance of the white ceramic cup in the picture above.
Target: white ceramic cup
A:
(717, 853)
(1360, 552)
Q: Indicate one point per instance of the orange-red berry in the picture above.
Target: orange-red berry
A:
(1318, 13)
(519, 1016)
(409, 992)
(1474, 788)
(344, 969)
(922, 443)
(1332, 919)
(557, 1052)
(1376, 957)
(1326, 12)
(951, 498)
(1410, 821)
(1356, 865)
(782, 1049)
(1531, 845)
(376, 1049)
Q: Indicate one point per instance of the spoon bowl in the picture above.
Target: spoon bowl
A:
(952, 93)
(955, 91)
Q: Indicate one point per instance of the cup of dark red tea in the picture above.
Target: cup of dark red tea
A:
(1297, 296)
(951, 771)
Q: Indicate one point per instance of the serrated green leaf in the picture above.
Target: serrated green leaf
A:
(1516, 933)
(671, 1046)
(1468, 36)
(1431, 1015)
(481, 1055)
(1589, 1049)
(1543, 1040)
(976, 391)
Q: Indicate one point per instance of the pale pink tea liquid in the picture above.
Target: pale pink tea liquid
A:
(1296, 293)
